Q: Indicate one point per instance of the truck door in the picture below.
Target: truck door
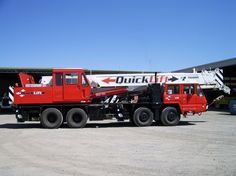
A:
(201, 100)
(72, 87)
(172, 94)
(58, 87)
(86, 88)
(189, 99)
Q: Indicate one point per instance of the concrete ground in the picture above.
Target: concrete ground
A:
(203, 145)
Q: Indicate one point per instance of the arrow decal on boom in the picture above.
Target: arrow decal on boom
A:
(172, 79)
(108, 80)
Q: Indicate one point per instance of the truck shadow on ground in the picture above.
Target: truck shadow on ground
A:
(6, 112)
(94, 125)
(226, 114)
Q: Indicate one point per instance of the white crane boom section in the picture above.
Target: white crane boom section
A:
(207, 79)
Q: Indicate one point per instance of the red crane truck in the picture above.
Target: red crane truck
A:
(69, 98)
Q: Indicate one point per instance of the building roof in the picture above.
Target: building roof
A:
(24, 69)
(49, 70)
(219, 64)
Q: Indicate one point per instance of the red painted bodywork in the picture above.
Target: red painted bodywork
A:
(188, 103)
(67, 91)
(26, 79)
(113, 91)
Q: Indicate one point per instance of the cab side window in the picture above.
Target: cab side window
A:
(59, 79)
(172, 89)
(71, 78)
(189, 89)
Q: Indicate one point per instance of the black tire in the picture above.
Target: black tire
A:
(51, 118)
(76, 118)
(143, 117)
(170, 116)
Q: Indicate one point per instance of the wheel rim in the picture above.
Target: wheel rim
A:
(171, 116)
(77, 118)
(52, 118)
(144, 116)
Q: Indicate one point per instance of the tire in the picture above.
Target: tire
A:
(76, 118)
(143, 117)
(170, 116)
(51, 118)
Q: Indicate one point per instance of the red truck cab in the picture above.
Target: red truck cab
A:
(68, 86)
(189, 97)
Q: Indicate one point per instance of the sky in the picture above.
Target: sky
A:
(142, 35)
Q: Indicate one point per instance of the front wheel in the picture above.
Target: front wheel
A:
(170, 116)
(143, 117)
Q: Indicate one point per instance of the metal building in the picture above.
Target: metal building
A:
(229, 72)
(228, 66)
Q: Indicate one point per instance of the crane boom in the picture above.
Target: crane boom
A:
(207, 79)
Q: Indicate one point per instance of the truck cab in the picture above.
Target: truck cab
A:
(67, 86)
(70, 85)
(189, 97)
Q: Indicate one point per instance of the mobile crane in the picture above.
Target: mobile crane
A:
(70, 98)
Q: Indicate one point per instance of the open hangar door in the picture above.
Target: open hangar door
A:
(6, 80)
(230, 81)
(229, 73)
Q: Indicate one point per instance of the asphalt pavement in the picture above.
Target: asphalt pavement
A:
(204, 145)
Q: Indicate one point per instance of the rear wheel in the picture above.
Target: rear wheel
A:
(76, 118)
(143, 117)
(170, 116)
(51, 118)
